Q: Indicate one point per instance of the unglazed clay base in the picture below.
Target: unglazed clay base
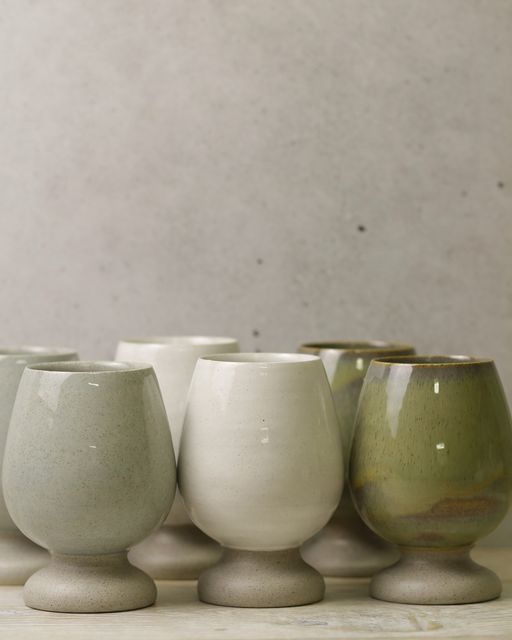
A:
(19, 558)
(179, 552)
(261, 579)
(435, 576)
(346, 547)
(89, 584)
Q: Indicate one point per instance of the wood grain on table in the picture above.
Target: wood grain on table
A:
(346, 612)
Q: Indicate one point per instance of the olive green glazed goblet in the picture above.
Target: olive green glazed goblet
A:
(431, 471)
(346, 547)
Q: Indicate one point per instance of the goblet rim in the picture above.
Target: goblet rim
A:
(89, 367)
(260, 358)
(35, 351)
(364, 347)
(176, 341)
(432, 360)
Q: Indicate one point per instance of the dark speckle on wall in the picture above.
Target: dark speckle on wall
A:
(259, 261)
(500, 184)
(361, 228)
(255, 333)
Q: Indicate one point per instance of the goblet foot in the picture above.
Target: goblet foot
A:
(348, 549)
(176, 553)
(89, 584)
(19, 558)
(435, 576)
(261, 579)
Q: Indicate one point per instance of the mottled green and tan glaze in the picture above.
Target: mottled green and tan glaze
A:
(431, 470)
(431, 462)
(346, 547)
(346, 364)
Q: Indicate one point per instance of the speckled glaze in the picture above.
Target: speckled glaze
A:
(178, 550)
(346, 546)
(19, 557)
(431, 471)
(260, 470)
(89, 470)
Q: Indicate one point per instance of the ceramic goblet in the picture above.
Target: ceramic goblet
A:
(89, 470)
(260, 470)
(431, 471)
(19, 557)
(178, 550)
(346, 546)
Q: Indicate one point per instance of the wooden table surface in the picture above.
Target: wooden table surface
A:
(346, 612)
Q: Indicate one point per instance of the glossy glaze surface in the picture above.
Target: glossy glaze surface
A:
(178, 550)
(260, 465)
(19, 557)
(174, 359)
(346, 364)
(89, 466)
(432, 455)
(12, 364)
(346, 547)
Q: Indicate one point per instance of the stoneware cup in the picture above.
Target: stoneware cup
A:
(88, 471)
(260, 470)
(346, 546)
(178, 550)
(431, 471)
(19, 557)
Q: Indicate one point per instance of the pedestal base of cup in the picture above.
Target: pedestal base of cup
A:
(19, 558)
(261, 579)
(435, 576)
(89, 584)
(347, 548)
(175, 553)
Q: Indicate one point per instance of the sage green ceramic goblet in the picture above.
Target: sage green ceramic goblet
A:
(431, 471)
(19, 556)
(89, 470)
(346, 546)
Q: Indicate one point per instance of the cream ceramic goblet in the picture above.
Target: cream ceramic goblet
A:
(89, 470)
(431, 471)
(178, 550)
(260, 471)
(19, 557)
(346, 547)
